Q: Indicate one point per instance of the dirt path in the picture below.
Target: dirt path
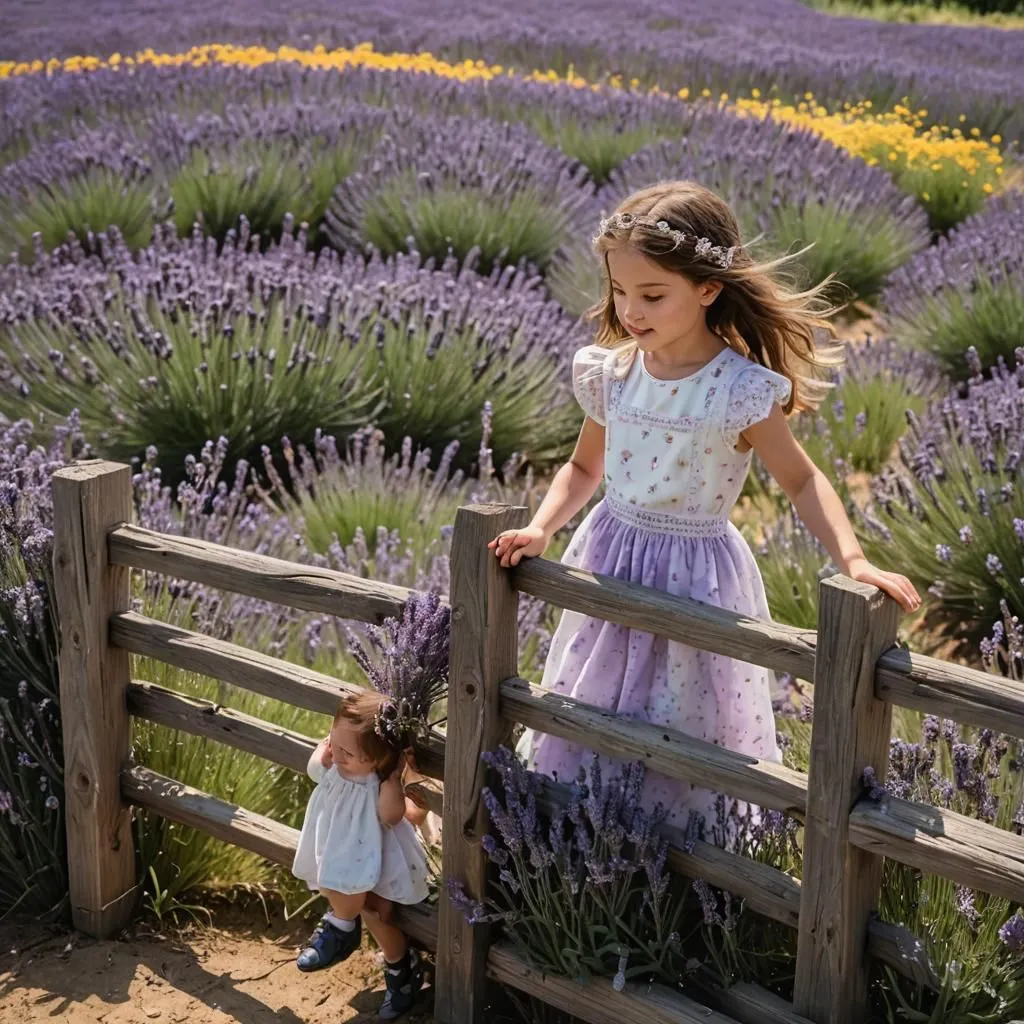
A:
(243, 972)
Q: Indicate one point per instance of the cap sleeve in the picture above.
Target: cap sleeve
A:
(753, 393)
(588, 381)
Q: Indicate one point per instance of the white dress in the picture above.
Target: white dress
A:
(344, 847)
(672, 476)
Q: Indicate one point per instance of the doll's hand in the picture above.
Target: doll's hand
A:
(326, 757)
(897, 587)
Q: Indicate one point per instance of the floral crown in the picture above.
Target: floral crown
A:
(715, 254)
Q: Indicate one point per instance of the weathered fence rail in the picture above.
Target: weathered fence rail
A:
(858, 675)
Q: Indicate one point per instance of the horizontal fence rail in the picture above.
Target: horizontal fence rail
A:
(306, 587)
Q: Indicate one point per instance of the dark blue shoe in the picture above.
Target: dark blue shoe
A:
(329, 945)
(403, 981)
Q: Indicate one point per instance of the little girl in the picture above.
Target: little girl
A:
(358, 850)
(701, 354)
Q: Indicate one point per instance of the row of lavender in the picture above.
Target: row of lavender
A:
(517, 170)
(736, 46)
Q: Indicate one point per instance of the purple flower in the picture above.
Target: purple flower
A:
(1011, 934)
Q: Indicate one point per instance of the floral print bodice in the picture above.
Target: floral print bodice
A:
(671, 463)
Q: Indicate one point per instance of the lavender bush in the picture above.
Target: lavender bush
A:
(967, 290)
(33, 860)
(954, 509)
(460, 185)
(586, 893)
(182, 343)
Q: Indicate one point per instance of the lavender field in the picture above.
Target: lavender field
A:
(319, 307)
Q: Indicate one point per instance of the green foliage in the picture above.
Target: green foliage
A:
(463, 221)
(988, 317)
(252, 377)
(78, 208)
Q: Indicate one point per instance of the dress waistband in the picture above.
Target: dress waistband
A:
(664, 522)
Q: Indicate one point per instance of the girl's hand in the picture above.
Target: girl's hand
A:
(513, 545)
(897, 587)
(326, 757)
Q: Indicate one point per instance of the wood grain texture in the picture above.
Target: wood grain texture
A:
(759, 642)
(664, 750)
(483, 654)
(942, 842)
(851, 732)
(307, 587)
(222, 820)
(215, 722)
(89, 499)
(251, 670)
(596, 1001)
(950, 691)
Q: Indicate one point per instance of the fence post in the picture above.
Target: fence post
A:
(856, 624)
(484, 650)
(88, 500)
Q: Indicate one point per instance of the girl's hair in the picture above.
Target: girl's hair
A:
(756, 313)
(360, 710)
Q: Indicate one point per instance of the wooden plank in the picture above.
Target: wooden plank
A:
(942, 842)
(747, 1003)
(89, 499)
(778, 647)
(216, 722)
(851, 732)
(251, 670)
(596, 1001)
(950, 691)
(222, 820)
(307, 587)
(899, 948)
(661, 749)
(483, 653)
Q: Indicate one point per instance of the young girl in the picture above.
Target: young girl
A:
(358, 850)
(701, 354)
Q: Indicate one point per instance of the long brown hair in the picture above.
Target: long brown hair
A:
(360, 710)
(756, 313)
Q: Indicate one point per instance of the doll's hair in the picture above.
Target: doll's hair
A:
(362, 711)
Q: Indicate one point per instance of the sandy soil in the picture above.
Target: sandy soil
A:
(241, 970)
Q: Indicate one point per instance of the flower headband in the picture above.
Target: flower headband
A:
(716, 254)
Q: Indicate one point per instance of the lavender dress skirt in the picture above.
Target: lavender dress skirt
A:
(709, 696)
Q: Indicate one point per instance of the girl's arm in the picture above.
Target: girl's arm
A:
(572, 487)
(821, 509)
(391, 800)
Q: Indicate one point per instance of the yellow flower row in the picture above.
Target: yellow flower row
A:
(896, 139)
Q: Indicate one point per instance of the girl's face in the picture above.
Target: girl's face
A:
(348, 758)
(658, 307)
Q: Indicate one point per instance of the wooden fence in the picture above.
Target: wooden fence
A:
(858, 675)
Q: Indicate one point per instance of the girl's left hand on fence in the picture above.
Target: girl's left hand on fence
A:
(898, 587)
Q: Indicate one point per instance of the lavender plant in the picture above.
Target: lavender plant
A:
(33, 864)
(970, 938)
(953, 508)
(338, 493)
(967, 291)
(460, 185)
(183, 343)
(586, 892)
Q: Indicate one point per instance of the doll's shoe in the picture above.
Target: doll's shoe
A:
(404, 982)
(329, 945)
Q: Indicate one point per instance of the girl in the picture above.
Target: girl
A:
(358, 850)
(701, 354)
